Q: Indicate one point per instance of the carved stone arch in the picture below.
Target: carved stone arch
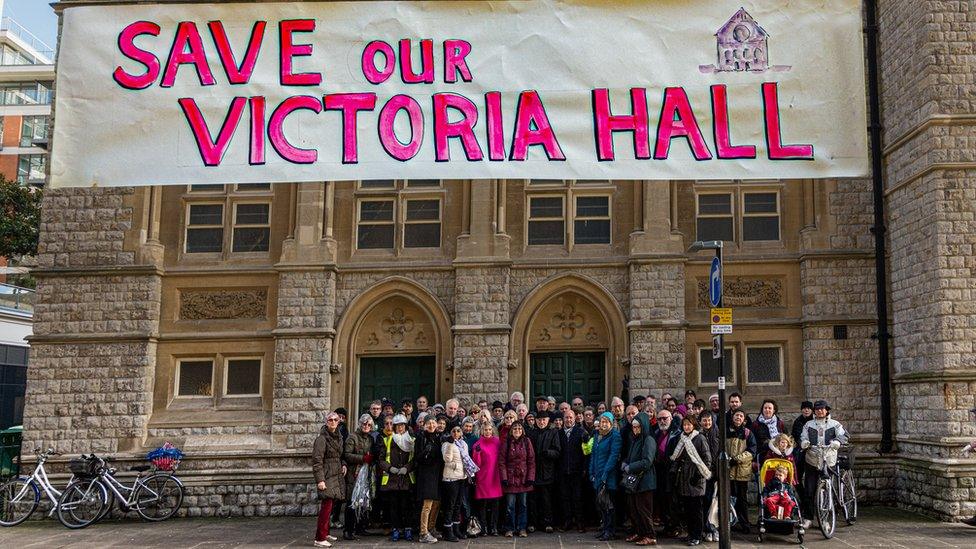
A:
(352, 338)
(615, 340)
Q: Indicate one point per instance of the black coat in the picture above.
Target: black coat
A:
(662, 460)
(797, 430)
(572, 461)
(548, 449)
(429, 465)
(689, 481)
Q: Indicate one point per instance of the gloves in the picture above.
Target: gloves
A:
(367, 458)
(805, 444)
(504, 483)
(835, 444)
(626, 468)
(623, 466)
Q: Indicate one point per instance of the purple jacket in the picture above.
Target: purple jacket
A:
(517, 465)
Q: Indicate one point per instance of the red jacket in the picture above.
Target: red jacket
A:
(517, 465)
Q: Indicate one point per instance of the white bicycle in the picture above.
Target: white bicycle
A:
(20, 496)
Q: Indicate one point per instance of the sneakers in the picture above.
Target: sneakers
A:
(427, 538)
(331, 538)
(408, 534)
(807, 523)
(548, 529)
(395, 535)
(509, 534)
(523, 534)
(323, 543)
(646, 541)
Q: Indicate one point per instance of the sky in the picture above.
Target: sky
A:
(36, 16)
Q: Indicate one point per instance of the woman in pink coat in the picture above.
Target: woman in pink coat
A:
(488, 480)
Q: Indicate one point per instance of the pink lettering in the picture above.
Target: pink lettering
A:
(276, 130)
(724, 148)
(455, 52)
(187, 36)
(256, 148)
(290, 50)
(678, 120)
(774, 139)
(212, 151)
(238, 73)
(607, 123)
(129, 49)
(426, 74)
(350, 104)
(496, 133)
(388, 138)
(444, 129)
(532, 127)
(374, 75)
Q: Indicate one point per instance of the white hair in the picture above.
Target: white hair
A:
(615, 401)
(517, 394)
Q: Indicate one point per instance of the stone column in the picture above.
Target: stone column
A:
(96, 321)
(482, 327)
(657, 294)
(306, 321)
(929, 135)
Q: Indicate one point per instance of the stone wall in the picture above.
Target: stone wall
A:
(440, 283)
(481, 338)
(657, 333)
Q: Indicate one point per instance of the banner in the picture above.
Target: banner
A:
(312, 91)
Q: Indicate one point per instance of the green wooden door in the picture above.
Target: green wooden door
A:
(563, 375)
(395, 378)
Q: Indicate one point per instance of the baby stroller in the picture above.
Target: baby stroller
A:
(780, 526)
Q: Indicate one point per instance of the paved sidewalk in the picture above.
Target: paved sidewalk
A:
(878, 527)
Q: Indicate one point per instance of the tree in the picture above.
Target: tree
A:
(20, 207)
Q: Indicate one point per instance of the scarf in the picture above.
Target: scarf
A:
(771, 423)
(470, 468)
(404, 441)
(685, 443)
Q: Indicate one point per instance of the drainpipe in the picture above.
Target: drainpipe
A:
(879, 229)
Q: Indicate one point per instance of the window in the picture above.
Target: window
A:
(708, 367)
(25, 93)
(250, 187)
(423, 183)
(31, 168)
(252, 228)
(205, 228)
(376, 227)
(242, 377)
(377, 184)
(33, 128)
(764, 365)
(206, 188)
(715, 219)
(422, 226)
(546, 220)
(592, 221)
(760, 216)
(195, 378)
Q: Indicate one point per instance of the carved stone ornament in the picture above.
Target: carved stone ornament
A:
(567, 321)
(421, 338)
(592, 335)
(397, 325)
(372, 340)
(512, 364)
(743, 291)
(544, 335)
(335, 368)
(625, 362)
(448, 365)
(223, 304)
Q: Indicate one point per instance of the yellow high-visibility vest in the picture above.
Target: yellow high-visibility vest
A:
(386, 474)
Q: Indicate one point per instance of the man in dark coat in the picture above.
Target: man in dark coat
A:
(429, 464)
(548, 449)
(572, 472)
(666, 436)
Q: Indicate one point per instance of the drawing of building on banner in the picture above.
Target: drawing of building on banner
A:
(742, 46)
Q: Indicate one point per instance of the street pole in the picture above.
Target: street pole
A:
(724, 533)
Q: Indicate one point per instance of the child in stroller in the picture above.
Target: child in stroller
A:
(779, 510)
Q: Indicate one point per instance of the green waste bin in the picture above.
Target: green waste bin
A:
(10, 440)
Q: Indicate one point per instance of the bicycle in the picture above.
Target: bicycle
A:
(20, 496)
(835, 489)
(155, 497)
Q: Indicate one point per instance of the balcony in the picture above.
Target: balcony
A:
(16, 300)
(34, 51)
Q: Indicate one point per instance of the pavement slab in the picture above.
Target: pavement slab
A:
(877, 527)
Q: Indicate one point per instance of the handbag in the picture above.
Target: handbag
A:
(474, 527)
(631, 482)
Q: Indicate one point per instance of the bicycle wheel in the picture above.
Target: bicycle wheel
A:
(82, 502)
(158, 497)
(848, 497)
(826, 514)
(19, 498)
(109, 504)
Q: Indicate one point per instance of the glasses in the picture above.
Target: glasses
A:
(663, 418)
(333, 419)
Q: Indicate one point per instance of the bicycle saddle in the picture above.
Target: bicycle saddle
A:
(140, 468)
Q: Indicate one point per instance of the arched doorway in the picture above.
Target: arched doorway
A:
(569, 337)
(395, 337)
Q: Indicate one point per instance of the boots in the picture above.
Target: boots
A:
(460, 530)
(449, 534)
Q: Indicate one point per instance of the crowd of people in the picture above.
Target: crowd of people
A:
(444, 472)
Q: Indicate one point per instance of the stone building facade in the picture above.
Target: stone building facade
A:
(228, 319)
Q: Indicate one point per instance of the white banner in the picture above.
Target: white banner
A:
(313, 91)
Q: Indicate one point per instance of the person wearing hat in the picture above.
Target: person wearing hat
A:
(548, 449)
(497, 412)
(355, 454)
(824, 435)
(604, 472)
(328, 470)
(541, 404)
(396, 449)
(796, 430)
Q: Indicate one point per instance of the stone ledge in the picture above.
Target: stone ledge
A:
(962, 375)
(208, 335)
(481, 329)
(292, 333)
(117, 337)
(52, 272)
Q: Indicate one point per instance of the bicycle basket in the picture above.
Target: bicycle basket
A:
(83, 467)
(165, 458)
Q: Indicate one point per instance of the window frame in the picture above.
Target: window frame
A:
(406, 199)
(234, 225)
(782, 364)
(225, 375)
(731, 193)
(778, 215)
(575, 217)
(730, 380)
(34, 118)
(177, 374)
(562, 217)
(187, 227)
(359, 222)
